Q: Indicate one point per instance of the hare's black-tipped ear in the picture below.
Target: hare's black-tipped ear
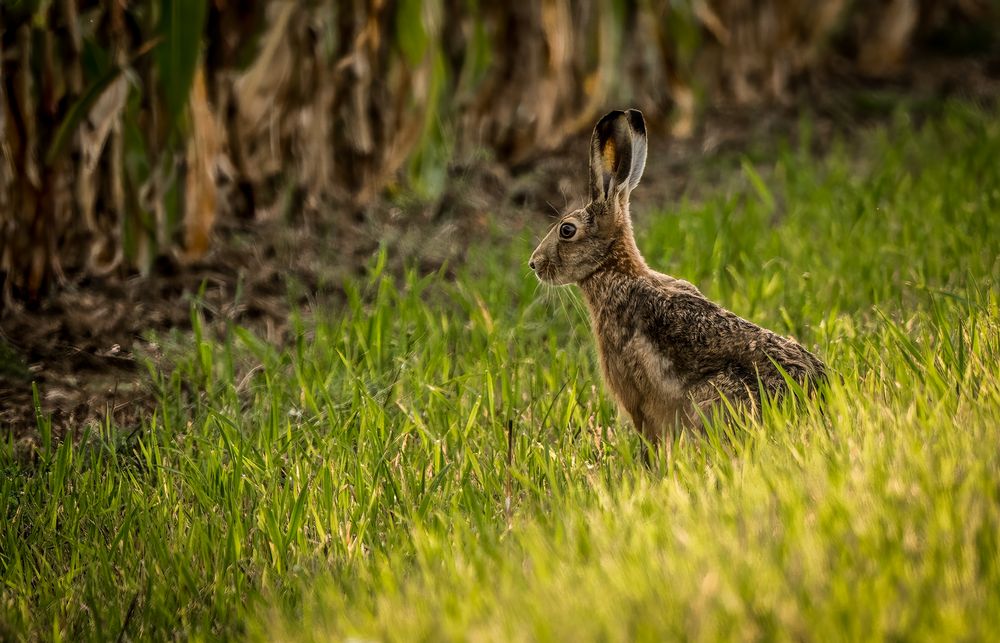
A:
(617, 154)
(638, 125)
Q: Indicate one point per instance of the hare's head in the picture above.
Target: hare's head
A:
(583, 240)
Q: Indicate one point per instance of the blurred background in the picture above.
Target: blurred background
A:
(158, 152)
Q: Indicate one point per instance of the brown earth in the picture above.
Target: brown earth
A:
(87, 345)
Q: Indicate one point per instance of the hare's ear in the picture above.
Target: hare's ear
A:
(638, 126)
(617, 154)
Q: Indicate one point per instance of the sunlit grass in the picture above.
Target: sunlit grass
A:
(436, 459)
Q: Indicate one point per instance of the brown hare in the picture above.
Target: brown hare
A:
(668, 354)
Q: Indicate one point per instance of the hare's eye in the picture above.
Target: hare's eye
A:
(567, 230)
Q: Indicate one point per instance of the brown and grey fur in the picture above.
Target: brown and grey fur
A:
(668, 354)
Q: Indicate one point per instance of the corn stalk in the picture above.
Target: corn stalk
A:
(123, 124)
(101, 137)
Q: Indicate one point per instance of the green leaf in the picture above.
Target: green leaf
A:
(182, 23)
(410, 33)
(758, 184)
(77, 112)
(96, 60)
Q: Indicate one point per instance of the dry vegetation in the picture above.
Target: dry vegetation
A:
(129, 129)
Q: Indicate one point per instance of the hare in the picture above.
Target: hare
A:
(668, 354)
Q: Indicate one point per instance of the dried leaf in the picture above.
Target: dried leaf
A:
(884, 47)
(105, 114)
(202, 156)
(271, 71)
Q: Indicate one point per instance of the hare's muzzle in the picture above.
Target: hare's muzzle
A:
(541, 260)
(537, 264)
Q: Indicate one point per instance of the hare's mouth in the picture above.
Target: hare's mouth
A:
(544, 273)
(548, 275)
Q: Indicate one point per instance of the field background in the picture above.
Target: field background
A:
(438, 460)
(273, 366)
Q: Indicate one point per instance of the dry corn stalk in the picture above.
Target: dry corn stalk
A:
(203, 151)
(336, 102)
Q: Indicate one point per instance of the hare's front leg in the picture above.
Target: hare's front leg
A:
(644, 443)
(651, 430)
(642, 426)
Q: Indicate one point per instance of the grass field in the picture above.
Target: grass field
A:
(438, 459)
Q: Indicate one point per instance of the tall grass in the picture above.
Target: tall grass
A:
(437, 459)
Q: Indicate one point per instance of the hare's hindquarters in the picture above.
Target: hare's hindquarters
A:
(793, 360)
(718, 354)
(726, 390)
(762, 371)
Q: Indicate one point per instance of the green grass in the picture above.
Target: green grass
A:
(438, 460)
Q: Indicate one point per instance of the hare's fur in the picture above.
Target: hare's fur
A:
(668, 354)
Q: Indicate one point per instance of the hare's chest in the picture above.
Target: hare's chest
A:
(641, 377)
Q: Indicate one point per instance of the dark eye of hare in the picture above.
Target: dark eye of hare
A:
(567, 230)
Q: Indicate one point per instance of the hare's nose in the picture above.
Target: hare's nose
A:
(531, 264)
